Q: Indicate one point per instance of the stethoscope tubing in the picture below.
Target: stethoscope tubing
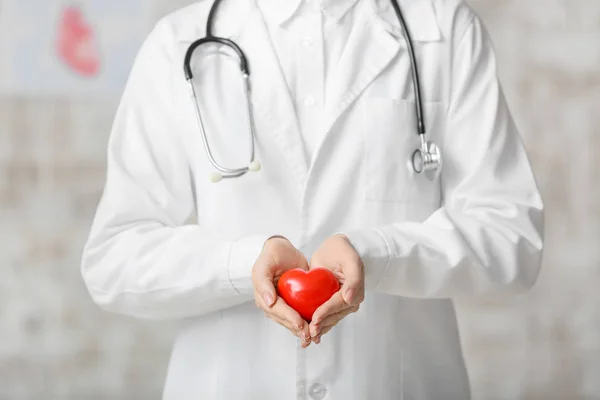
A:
(428, 153)
(187, 65)
(413, 67)
(245, 71)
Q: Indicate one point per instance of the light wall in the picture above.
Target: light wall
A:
(55, 344)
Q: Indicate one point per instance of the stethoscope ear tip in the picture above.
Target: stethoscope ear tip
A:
(254, 166)
(215, 177)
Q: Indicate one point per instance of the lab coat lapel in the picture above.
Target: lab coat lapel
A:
(373, 44)
(272, 103)
(369, 50)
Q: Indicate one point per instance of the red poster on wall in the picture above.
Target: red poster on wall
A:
(77, 44)
(70, 47)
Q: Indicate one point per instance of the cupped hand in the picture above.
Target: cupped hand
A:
(278, 256)
(339, 256)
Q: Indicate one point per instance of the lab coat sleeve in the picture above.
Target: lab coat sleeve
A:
(487, 238)
(141, 259)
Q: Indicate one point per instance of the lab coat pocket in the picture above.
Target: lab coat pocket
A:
(390, 139)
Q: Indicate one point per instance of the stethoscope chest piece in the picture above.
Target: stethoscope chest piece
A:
(427, 160)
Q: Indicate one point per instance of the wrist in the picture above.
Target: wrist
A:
(373, 248)
(242, 257)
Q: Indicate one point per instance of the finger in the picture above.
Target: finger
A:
(332, 306)
(302, 334)
(337, 317)
(285, 312)
(324, 332)
(286, 324)
(263, 285)
(300, 331)
(261, 302)
(353, 288)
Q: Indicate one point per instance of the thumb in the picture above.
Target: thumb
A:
(263, 284)
(348, 294)
(353, 287)
(267, 292)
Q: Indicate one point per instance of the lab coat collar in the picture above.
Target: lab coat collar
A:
(230, 20)
(281, 11)
(419, 15)
(232, 17)
(278, 11)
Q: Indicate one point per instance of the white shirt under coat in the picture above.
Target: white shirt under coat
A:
(309, 38)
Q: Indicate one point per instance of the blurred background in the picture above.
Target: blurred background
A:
(56, 111)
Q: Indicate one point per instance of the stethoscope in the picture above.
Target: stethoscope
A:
(427, 158)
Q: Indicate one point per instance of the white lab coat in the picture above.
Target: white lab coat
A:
(477, 229)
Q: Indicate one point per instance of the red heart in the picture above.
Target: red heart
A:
(305, 291)
(76, 44)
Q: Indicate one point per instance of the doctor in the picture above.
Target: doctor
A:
(334, 115)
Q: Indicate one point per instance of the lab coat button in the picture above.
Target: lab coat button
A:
(317, 391)
(309, 101)
(307, 42)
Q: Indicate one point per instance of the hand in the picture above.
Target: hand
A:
(339, 256)
(278, 256)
